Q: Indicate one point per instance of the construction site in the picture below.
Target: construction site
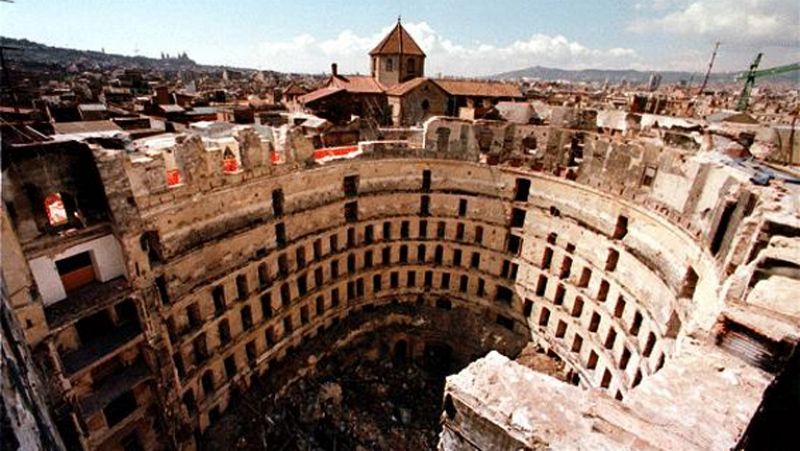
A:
(397, 262)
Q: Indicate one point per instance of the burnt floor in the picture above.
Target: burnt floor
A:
(362, 397)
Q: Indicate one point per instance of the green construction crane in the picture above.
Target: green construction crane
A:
(750, 78)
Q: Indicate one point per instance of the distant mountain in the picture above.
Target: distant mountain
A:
(33, 53)
(632, 76)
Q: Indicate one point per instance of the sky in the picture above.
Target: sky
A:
(460, 38)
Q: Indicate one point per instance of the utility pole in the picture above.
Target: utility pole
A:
(708, 72)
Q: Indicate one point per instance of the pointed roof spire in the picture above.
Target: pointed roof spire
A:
(397, 42)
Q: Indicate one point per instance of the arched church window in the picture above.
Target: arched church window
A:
(56, 210)
(426, 105)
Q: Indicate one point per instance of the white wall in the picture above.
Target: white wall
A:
(106, 258)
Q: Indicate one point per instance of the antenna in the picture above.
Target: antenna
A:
(708, 72)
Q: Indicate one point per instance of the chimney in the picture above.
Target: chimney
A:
(334, 69)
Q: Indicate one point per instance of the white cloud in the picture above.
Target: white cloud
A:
(736, 22)
(306, 53)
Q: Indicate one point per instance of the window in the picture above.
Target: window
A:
(602, 293)
(300, 256)
(423, 229)
(351, 263)
(611, 338)
(386, 255)
(302, 285)
(586, 275)
(333, 243)
(479, 234)
(247, 317)
(387, 230)
(577, 343)
(566, 267)
(481, 287)
(547, 258)
(411, 279)
(637, 324)
(280, 234)
(606, 382)
(559, 298)
(334, 269)
(594, 323)
(277, 202)
(224, 330)
(317, 249)
(218, 295)
(426, 180)
(592, 362)
(611, 261)
(527, 308)
(389, 65)
(624, 359)
(376, 283)
(460, 231)
(404, 227)
(250, 351)
(425, 206)
(369, 234)
(230, 366)
(335, 297)
(319, 278)
(193, 314)
(403, 253)
(621, 229)
(428, 280)
(522, 190)
(561, 329)
(161, 286)
(457, 257)
(288, 327)
(577, 307)
(368, 259)
(266, 305)
(207, 381)
(269, 336)
(304, 315)
(463, 284)
(514, 244)
(619, 308)
(445, 282)
(441, 229)
(283, 265)
(517, 217)
(438, 255)
(462, 207)
(241, 287)
(541, 285)
(351, 211)
(421, 253)
(544, 317)
(649, 345)
(320, 304)
(263, 276)
(649, 175)
(476, 260)
(286, 296)
(394, 279)
(410, 66)
(351, 186)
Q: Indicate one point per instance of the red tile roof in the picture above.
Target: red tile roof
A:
(398, 41)
(479, 88)
(358, 84)
(406, 87)
(319, 94)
